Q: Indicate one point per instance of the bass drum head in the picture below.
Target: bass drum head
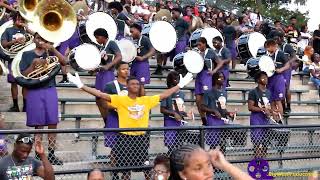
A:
(255, 42)
(266, 64)
(253, 67)
(101, 20)
(87, 57)
(163, 36)
(208, 33)
(193, 61)
(128, 50)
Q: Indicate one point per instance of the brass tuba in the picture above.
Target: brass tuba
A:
(27, 8)
(55, 20)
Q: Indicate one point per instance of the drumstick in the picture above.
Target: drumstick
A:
(235, 114)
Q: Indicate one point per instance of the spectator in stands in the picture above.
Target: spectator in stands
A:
(18, 165)
(225, 56)
(244, 25)
(316, 40)
(304, 38)
(215, 107)
(315, 70)
(3, 142)
(278, 26)
(292, 31)
(133, 112)
(95, 174)
(161, 168)
(260, 108)
(308, 52)
(192, 162)
(203, 80)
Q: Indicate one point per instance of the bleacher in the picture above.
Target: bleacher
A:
(78, 110)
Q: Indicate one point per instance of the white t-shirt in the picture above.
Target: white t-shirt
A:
(316, 68)
(304, 42)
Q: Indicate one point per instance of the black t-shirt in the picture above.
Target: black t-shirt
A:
(210, 58)
(224, 54)
(280, 60)
(288, 50)
(111, 49)
(181, 27)
(143, 44)
(230, 34)
(216, 99)
(26, 61)
(254, 95)
(316, 42)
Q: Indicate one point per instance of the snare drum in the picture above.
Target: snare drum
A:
(208, 33)
(253, 67)
(248, 45)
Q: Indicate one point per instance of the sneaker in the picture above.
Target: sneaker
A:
(14, 109)
(287, 110)
(54, 160)
(158, 71)
(64, 81)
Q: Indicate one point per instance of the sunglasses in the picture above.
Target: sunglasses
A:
(26, 140)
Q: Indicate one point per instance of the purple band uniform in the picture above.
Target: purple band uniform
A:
(42, 107)
(3, 144)
(213, 135)
(10, 77)
(258, 135)
(225, 73)
(112, 121)
(102, 78)
(141, 70)
(203, 82)
(181, 45)
(287, 77)
(170, 137)
(119, 36)
(276, 85)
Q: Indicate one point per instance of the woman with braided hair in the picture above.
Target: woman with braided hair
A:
(193, 162)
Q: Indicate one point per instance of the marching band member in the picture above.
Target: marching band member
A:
(64, 49)
(291, 56)
(182, 28)
(11, 36)
(173, 110)
(105, 73)
(133, 112)
(225, 56)
(121, 19)
(42, 103)
(276, 83)
(259, 105)
(203, 80)
(214, 105)
(140, 67)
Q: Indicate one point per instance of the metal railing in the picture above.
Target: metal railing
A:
(290, 148)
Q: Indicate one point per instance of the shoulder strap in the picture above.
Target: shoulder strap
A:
(116, 84)
(259, 95)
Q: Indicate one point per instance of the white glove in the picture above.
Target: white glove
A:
(5, 71)
(185, 80)
(75, 80)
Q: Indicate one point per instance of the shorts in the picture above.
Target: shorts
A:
(141, 70)
(203, 82)
(233, 50)
(276, 85)
(102, 78)
(42, 107)
(287, 77)
(131, 151)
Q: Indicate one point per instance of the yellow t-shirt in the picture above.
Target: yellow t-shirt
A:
(134, 113)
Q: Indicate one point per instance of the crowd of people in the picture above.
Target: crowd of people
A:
(121, 97)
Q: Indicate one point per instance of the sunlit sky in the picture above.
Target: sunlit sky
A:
(314, 12)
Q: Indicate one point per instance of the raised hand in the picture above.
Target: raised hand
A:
(75, 80)
(185, 80)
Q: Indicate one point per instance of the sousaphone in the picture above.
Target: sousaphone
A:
(27, 8)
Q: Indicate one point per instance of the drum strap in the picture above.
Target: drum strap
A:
(219, 53)
(116, 84)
